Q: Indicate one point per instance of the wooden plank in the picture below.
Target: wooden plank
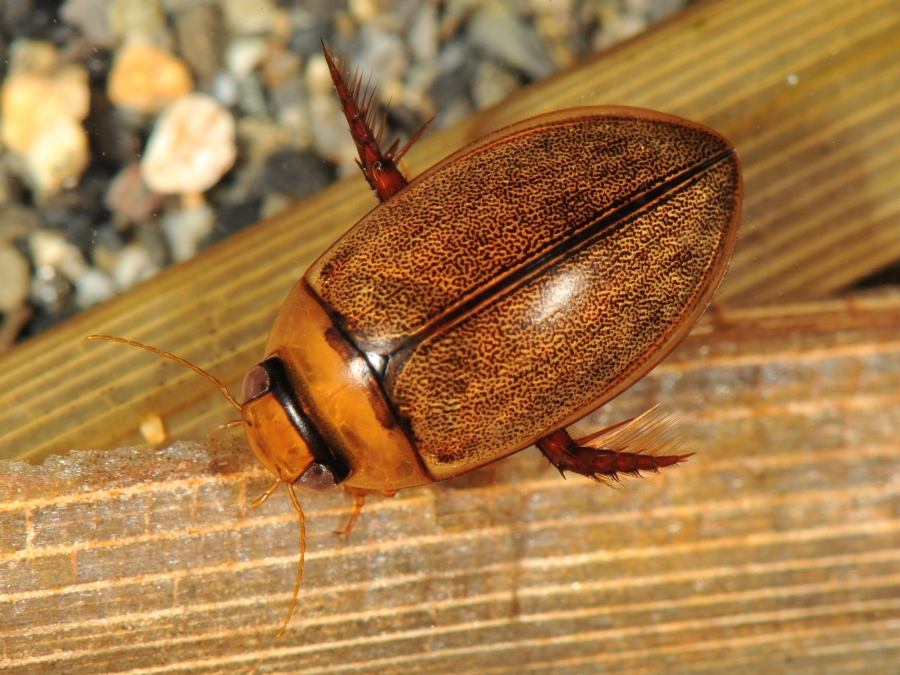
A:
(821, 159)
(776, 549)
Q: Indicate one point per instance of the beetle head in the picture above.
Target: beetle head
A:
(282, 435)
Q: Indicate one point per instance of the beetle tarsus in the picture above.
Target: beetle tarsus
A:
(360, 499)
(643, 444)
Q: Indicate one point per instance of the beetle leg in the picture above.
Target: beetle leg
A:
(359, 104)
(359, 500)
(645, 443)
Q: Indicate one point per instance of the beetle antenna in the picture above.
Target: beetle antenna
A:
(176, 359)
(259, 500)
(296, 504)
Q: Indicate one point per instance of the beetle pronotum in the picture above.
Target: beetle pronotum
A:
(497, 298)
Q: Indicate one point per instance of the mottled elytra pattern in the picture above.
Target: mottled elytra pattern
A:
(492, 209)
(532, 277)
(513, 370)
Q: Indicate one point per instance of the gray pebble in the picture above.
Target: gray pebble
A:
(14, 279)
(224, 88)
(185, 229)
(495, 28)
(84, 14)
(252, 95)
(292, 109)
(201, 39)
(381, 53)
(232, 218)
(298, 173)
(93, 287)
(422, 34)
(307, 32)
(133, 264)
(142, 19)
(450, 89)
(492, 83)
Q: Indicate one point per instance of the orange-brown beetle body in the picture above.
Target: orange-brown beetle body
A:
(499, 297)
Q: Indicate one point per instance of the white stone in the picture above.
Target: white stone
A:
(50, 249)
(185, 230)
(225, 88)
(191, 146)
(133, 264)
(49, 289)
(58, 157)
(245, 54)
(93, 287)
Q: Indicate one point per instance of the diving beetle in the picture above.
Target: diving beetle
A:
(494, 300)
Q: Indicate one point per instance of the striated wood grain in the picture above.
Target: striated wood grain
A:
(805, 88)
(776, 549)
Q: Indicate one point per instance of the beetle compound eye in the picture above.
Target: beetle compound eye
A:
(317, 477)
(256, 383)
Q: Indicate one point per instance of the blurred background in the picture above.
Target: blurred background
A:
(136, 132)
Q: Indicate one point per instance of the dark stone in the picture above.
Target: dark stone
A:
(403, 121)
(28, 18)
(114, 139)
(15, 13)
(298, 173)
(87, 196)
(232, 218)
(107, 236)
(43, 320)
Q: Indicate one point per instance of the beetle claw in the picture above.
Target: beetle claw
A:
(360, 498)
